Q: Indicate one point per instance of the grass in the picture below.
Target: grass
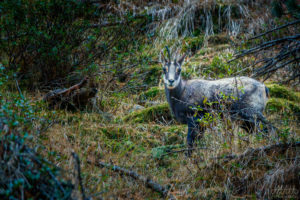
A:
(149, 142)
(143, 144)
(279, 91)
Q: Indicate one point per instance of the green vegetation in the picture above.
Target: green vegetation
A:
(23, 170)
(153, 93)
(41, 38)
(155, 113)
(278, 91)
(280, 105)
(193, 43)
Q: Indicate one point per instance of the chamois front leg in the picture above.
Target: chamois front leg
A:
(193, 130)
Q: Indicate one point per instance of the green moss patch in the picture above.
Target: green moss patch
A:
(155, 113)
(277, 91)
(282, 105)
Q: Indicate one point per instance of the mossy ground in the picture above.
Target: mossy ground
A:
(147, 140)
(155, 113)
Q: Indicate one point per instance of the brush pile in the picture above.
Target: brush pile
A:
(73, 98)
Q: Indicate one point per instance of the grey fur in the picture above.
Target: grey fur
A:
(248, 98)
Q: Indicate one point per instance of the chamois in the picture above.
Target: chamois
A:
(248, 98)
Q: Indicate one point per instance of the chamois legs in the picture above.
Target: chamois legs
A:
(251, 122)
(194, 130)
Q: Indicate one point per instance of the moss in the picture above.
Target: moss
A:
(277, 91)
(151, 94)
(283, 105)
(151, 114)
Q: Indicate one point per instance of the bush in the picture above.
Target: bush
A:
(24, 174)
(46, 40)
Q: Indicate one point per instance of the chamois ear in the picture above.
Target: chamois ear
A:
(163, 58)
(181, 59)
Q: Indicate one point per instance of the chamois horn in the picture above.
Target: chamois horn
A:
(169, 55)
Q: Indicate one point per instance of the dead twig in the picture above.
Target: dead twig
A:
(78, 171)
(184, 150)
(19, 90)
(66, 92)
(147, 181)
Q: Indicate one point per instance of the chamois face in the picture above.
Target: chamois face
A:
(171, 71)
(171, 74)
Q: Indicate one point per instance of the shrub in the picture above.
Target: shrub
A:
(24, 174)
(46, 40)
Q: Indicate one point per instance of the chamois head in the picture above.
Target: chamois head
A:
(171, 70)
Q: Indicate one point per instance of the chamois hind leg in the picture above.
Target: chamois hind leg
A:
(194, 130)
(251, 122)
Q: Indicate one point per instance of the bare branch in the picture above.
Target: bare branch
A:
(147, 181)
(251, 151)
(77, 168)
(275, 29)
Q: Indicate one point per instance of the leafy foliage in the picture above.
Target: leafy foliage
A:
(46, 40)
(24, 173)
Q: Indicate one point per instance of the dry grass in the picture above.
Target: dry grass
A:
(130, 146)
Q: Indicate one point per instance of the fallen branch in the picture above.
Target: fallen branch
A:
(147, 181)
(280, 52)
(66, 92)
(184, 150)
(265, 45)
(275, 29)
(250, 152)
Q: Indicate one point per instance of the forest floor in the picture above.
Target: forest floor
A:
(137, 132)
